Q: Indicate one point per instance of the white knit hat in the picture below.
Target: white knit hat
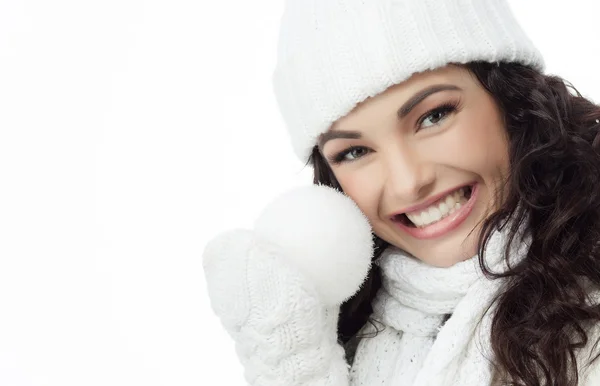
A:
(334, 54)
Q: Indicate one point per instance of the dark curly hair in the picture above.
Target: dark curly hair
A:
(543, 312)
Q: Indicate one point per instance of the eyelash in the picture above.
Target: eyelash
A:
(447, 107)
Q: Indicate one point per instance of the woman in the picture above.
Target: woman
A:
(478, 175)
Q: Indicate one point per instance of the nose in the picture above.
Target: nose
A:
(409, 176)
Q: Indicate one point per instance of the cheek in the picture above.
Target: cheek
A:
(489, 135)
(490, 148)
(478, 144)
(362, 187)
(481, 147)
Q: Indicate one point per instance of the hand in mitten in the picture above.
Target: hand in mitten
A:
(278, 289)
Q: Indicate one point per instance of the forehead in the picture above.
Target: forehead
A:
(389, 101)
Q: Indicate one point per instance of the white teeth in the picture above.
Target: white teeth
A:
(450, 201)
(435, 214)
(443, 208)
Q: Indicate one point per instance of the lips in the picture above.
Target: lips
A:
(443, 226)
(438, 210)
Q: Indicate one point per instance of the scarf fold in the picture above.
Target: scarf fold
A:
(437, 328)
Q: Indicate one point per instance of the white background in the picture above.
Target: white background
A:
(132, 132)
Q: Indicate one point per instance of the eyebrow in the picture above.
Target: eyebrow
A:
(402, 112)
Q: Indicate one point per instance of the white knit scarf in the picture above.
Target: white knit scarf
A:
(417, 347)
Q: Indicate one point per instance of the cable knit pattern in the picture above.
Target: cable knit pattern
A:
(334, 54)
(284, 335)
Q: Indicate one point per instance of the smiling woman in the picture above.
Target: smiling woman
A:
(478, 175)
(410, 156)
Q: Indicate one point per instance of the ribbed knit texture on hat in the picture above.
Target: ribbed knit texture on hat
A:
(334, 54)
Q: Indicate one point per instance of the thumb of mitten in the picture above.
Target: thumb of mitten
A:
(225, 261)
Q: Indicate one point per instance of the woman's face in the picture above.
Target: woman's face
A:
(423, 161)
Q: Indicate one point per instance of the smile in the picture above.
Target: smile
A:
(441, 217)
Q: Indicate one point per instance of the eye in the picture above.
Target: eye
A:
(436, 115)
(350, 154)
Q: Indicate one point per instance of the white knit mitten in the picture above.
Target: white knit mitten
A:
(278, 289)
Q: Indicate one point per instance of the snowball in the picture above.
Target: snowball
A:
(323, 233)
